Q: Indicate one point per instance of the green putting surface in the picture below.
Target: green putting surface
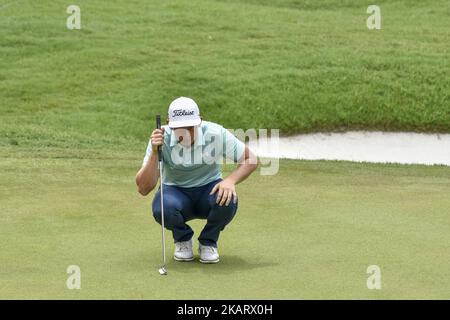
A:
(310, 231)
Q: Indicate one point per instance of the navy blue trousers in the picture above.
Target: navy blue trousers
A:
(184, 204)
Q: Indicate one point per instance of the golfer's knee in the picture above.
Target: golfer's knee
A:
(231, 206)
(171, 213)
(157, 214)
(222, 214)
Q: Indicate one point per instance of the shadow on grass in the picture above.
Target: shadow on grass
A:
(228, 264)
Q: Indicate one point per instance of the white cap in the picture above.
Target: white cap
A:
(183, 112)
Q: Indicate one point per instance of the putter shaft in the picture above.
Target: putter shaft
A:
(162, 216)
(162, 270)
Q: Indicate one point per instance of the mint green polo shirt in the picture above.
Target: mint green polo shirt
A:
(199, 164)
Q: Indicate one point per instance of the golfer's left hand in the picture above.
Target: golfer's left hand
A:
(225, 192)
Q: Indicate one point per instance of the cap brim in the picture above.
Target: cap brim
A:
(184, 123)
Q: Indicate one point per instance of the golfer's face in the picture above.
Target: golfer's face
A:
(185, 135)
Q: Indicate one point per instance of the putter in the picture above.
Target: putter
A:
(162, 270)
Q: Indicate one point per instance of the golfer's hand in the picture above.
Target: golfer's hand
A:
(226, 192)
(157, 139)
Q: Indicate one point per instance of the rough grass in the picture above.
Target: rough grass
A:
(297, 65)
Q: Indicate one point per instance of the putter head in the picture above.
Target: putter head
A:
(162, 271)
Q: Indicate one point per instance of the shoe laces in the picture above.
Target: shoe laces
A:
(183, 246)
(209, 248)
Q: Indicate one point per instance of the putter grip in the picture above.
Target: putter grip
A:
(158, 126)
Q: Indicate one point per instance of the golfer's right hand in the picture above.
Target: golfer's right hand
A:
(157, 139)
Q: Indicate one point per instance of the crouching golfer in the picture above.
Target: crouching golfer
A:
(193, 186)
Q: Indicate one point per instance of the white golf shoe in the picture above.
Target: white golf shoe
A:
(183, 251)
(208, 254)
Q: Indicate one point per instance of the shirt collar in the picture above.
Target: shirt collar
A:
(199, 141)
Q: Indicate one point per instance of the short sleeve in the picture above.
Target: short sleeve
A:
(233, 147)
(148, 153)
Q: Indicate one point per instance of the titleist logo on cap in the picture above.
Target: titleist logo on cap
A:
(181, 112)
